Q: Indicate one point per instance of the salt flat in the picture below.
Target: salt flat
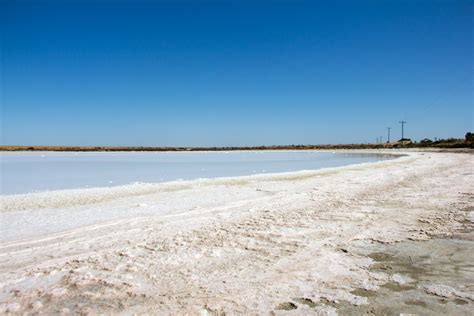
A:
(278, 243)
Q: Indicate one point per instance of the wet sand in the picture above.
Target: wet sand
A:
(388, 237)
(433, 277)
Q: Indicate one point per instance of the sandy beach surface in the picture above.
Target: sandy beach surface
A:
(390, 237)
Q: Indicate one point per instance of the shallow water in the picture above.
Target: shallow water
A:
(30, 172)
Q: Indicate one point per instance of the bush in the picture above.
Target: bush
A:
(469, 137)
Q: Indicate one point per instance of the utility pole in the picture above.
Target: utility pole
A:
(388, 138)
(403, 123)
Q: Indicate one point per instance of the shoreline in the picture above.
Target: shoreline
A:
(374, 150)
(451, 143)
(391, 151)
(268, 243)
(189, 181)
(95, 193)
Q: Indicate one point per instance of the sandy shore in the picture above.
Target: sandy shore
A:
(313, 242)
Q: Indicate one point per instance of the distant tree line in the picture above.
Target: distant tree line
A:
(467, 142)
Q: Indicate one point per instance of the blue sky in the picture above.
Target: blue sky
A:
(221, 73)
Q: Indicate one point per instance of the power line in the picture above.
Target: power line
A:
(403, 123)
(449, 92)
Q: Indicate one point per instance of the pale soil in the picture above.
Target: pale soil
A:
(287, 243)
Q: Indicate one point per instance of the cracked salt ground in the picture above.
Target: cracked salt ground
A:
(231, 247)
(434, 277)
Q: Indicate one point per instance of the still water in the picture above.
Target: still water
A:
(31, 171)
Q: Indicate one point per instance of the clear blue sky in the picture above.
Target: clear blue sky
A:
(203, 73)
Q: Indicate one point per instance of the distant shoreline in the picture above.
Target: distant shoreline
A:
(394, 145)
